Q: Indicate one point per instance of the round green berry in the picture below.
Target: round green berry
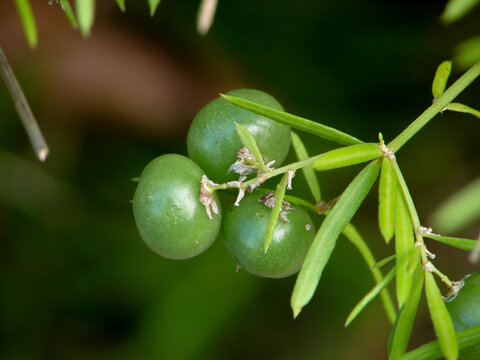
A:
(169, 215)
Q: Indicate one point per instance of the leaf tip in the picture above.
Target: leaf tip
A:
(296, 311)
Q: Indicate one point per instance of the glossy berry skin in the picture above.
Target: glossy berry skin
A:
(244, 230)
(465, 312)
(213, 142)
(169, 216)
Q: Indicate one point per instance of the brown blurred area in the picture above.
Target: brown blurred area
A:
(124, 77)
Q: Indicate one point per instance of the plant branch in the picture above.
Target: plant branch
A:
(439, 105)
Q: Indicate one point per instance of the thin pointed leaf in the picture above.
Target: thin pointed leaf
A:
(351, 233)
(442, 323)
(67, 10)
(272, 221)
(441, 77)
(404, 241)
(249, 142)
(457, 9)
(121, 4)
(325, 240)
(459, 210)
(463, 109)
(432, 350)
(370, 296)
(296, 122)
(460, 243)
(308, 172)
(387, 191)
(28, 22)
(206, 13)
(383, 262)
(153, 4)
(400, 336)
(85, 14)
(346, 156)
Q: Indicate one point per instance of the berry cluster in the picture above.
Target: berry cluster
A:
(176, 208)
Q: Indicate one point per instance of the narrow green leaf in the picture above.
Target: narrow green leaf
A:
(387, 191)
(460, 243)
(398, 342)
(432, 350)
(463, 109)
(153, 6)
(325, 240)
(460, 210)
(442, 323)
(441, 77)
(272, 221)
(28, 22)
(346, 156)
(296, 122)
(308, 172)
(404, 242)
(85, 14)
(121, 4)
(370, 296)
(249, 142)
(383, 262)
(352, 234)
(67, 9)
(457, 9)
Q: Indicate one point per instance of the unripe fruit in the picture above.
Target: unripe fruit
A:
(244, 230)
(213, 142)
(169, 215)
(465, 312)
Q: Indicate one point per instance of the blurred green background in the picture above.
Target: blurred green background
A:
(76, 280)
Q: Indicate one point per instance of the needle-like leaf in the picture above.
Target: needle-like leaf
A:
(460, 243)
(346, 156)
(325, 240)
(85, 14)
(383, 262)
(153, 4)
(296, 122)
(441, 77)
(28, 22)
(432, 350)
(402, 329)
(67, 9)
(387, 192)
(249, 142)
(404, 241)
(370, 296)
(442, 323)
(463, 109)
(121, 4)
(279, 193)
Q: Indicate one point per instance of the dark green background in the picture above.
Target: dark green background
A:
(77, 282)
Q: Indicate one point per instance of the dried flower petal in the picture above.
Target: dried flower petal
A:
(206, 196)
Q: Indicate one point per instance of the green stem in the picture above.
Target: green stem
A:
(447, 97)
(293, 166)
